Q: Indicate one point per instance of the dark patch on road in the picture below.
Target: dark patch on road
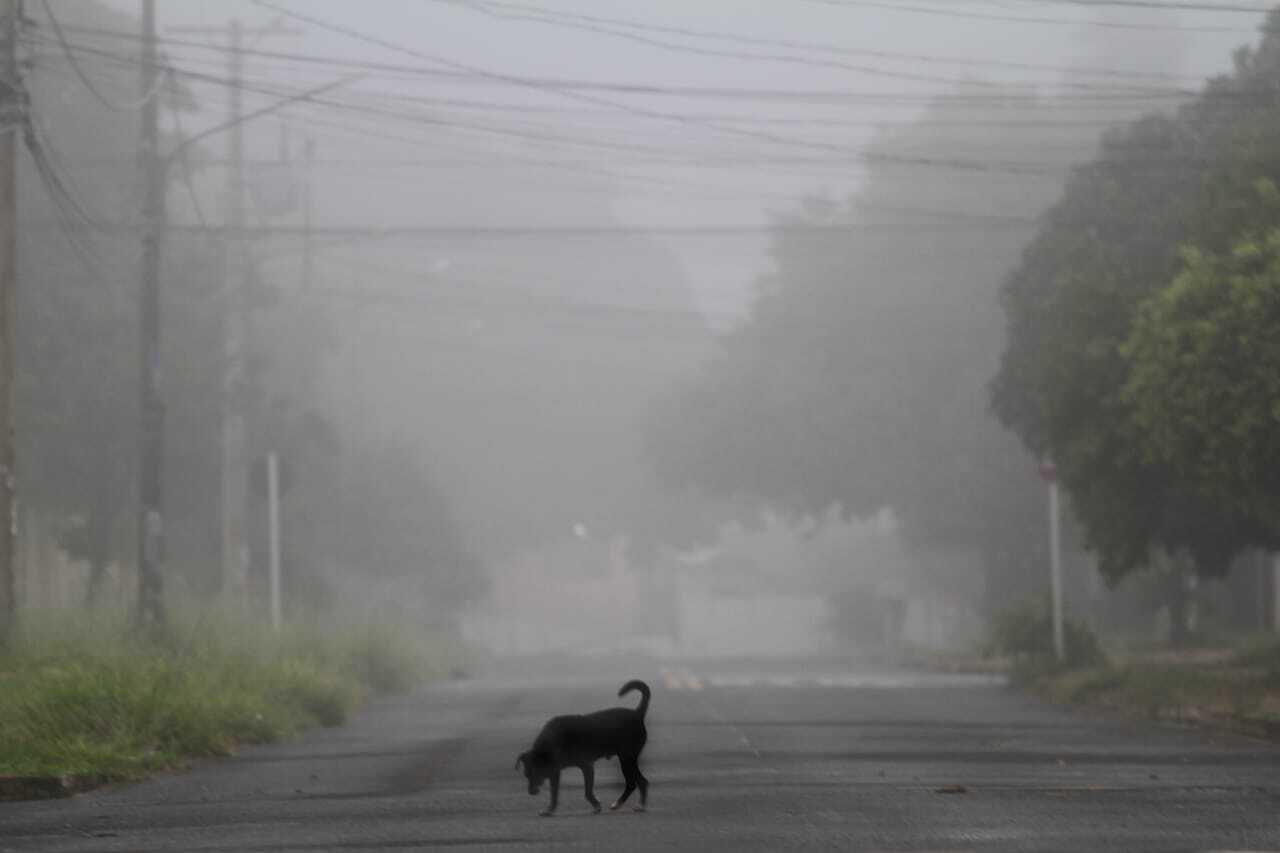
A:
(408, 844)
(272, 758)
(426, 767)
(402, 844)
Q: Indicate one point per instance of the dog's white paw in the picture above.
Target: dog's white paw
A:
(613, 807)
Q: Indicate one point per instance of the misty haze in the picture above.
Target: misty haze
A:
(883, 395)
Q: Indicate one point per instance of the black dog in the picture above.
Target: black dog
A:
(579, 740)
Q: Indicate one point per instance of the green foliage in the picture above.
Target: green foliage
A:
(1204, 379)
(1262, 651)
(1025, 634)
(1227, 696)
(88, 696)
(1111, 244)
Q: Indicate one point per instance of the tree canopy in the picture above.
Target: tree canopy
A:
(1112, 243)
(1204, 380)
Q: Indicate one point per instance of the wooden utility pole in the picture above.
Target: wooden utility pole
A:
(151, 458)
(11, 117)
(308, 200)
(235, 466)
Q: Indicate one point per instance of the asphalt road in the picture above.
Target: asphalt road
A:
(739, 758)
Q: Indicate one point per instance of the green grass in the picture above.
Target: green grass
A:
(81, 694)
(1242, 694)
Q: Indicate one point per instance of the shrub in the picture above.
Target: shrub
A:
(1261, 651)
(1025, 634)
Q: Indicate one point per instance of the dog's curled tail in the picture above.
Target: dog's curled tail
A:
(644, 694)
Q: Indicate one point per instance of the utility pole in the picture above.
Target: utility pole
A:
(151, 457)
(235, 475)
(235, 462)
(11, 116)
(308, 200)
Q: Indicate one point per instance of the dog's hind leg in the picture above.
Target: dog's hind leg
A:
(644, 788)
(629, 771)
(555, 793)
(588, 785)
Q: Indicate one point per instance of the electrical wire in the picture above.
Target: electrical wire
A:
(818, 47)
(1022, 19)
(1165, 5)
(85, 79)
(494, 11)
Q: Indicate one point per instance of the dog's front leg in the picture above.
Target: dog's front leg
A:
(555, 793)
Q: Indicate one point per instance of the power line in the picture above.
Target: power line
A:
(84, 78)
(819, 47)
(568, 92)
(947, 163)
(481, 232)
(1166, 5)
(1022, 19)
(676, 157)
(495, 10)
(790, 96)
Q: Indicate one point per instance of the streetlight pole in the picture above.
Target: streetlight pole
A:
(1049, 472)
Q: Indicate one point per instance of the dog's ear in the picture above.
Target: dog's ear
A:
(522, 758)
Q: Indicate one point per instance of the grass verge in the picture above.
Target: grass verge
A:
(1238, 691)
(82, 695)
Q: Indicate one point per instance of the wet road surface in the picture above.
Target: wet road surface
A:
(738, 758)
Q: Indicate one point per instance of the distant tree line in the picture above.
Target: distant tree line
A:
(359, 510)
(1130, 325)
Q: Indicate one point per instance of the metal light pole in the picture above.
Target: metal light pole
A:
(1049, 472)
(273, 535)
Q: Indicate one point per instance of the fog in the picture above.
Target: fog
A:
(523, 309)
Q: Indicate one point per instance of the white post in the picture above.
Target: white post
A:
(1275, 592)
(1055, 569)
(273, 524)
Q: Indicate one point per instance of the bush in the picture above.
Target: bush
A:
(87, 696)
(1025, 634)
(1261, 651)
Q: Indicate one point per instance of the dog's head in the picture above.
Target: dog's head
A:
(536, 765)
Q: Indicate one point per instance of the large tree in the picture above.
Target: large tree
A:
(1111, 242)
(1204, 379)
